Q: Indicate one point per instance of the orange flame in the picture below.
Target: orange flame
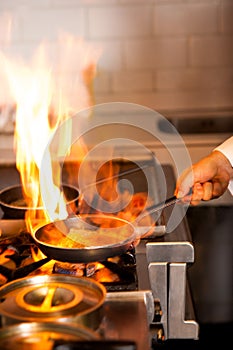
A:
(42, 104)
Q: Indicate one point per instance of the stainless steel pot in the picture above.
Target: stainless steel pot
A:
(14, 206)
(52, 298)
(36, 336)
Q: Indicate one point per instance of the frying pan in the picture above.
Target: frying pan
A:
(14, 206)
(81, 239)
(90, 237)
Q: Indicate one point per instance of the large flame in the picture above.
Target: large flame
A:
(44, 100)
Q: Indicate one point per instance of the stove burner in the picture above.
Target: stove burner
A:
(118, 273)
(114, 275)
(22, 271)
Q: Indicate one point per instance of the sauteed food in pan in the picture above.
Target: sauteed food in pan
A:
(85, 238)
(58, 234)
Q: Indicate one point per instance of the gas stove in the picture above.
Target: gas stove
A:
(148, 299)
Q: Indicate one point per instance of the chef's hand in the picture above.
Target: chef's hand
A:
(208, 179)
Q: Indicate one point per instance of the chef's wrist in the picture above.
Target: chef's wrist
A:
(222, 161)
(226, 148)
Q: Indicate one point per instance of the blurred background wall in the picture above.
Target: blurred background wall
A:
(163, 54)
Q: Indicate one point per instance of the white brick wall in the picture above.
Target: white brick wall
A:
(187, 18)
(164, 54)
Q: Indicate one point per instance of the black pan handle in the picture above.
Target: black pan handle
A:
(162, 205)
(158, 207)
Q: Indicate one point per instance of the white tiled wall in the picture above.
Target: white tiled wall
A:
(163, 54)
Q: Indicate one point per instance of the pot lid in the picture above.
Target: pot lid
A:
(47, 298)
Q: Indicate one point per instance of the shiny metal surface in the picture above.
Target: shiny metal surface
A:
(178, 326)
(167, 272)
(168, 282)
(126, 317)
(158, 273)
(37, 336)
(50, 298)
(170, 252)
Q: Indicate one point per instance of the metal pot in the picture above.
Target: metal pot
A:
(35, 336)
(14, 207)
(52, 298)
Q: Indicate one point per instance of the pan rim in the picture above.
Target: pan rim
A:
(25, 208)
(129, 239)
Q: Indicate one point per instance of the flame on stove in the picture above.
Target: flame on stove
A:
(45, 97)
